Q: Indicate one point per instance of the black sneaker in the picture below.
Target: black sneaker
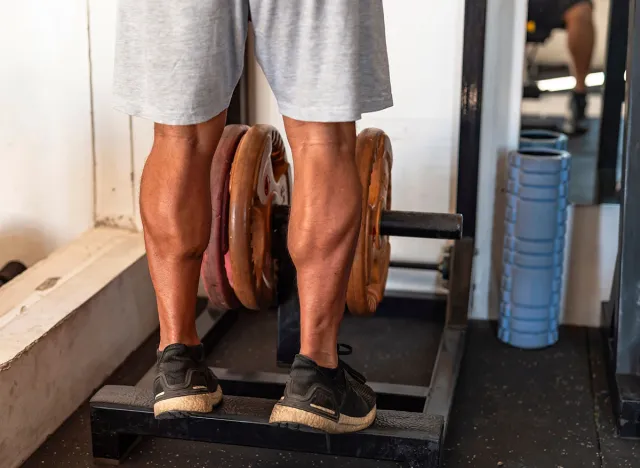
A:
(334, 401)
(184, 384)
(578, 124)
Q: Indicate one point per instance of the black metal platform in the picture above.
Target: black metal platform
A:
(117, 412)
(411, 423)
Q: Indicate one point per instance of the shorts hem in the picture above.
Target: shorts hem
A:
(194, 117)
(335, 114)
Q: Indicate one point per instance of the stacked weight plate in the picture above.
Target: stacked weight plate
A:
(533, 250)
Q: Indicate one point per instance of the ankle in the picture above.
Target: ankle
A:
(186, 340)
(322, 358)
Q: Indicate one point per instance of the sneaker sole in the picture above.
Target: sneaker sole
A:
(180, 407)
(293, 418)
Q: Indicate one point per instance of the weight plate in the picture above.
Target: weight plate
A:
(260, 178)
(216, 271)
(368, 278)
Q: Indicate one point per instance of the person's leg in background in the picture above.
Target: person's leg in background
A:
(578, 20)
(177, 64)
(327, 64)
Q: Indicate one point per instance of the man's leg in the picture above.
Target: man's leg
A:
(581, 36)
(580, 30)
(177, 64)
(323, 229)
(175, 204)
(323, 232)
(327, 63)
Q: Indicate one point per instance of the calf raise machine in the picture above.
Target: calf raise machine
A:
(247, 266)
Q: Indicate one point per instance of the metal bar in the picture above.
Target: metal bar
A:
(612, 99)
(271, 385)
(445, 374)
(288, 324)
(628, 332)
(422, 225)
(431, 266)
(118, 411)
(460, 282)
(405, 223)
(475, 19)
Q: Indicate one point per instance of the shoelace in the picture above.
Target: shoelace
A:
(346, 350)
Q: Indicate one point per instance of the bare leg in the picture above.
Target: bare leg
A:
(323, 229)
(581, 36)
(176, 214)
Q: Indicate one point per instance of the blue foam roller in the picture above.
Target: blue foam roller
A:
(536, 220)
(533, 260)
(527, 340)
(543, 294)
(534, 239)
(521, 232)
(524, 313)
(536, 192)
(509, 270)
(528, 325)
(534, 247)
(540, 160)
(538, 178)
(543, 139)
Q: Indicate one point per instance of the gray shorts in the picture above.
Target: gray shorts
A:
(179, 61)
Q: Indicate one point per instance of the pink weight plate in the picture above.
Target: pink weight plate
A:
(216, 269)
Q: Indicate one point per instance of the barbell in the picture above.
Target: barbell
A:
(251, 185)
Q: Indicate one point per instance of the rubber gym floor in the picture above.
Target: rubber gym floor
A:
(512, 408)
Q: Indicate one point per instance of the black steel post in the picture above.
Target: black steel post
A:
(475, 20)
(622, 312)
(288, 300)
(612, 99)
(628, 326)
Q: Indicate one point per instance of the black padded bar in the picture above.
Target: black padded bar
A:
(403, 223)
(424, 225)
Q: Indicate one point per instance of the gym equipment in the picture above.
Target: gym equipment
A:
(610, 143)
(368, 277)
(259, 186)
(412, 421)
(533, 255)
(216, 268)
(260, 179)
(540, 138)
(621, 314)
(10, 271)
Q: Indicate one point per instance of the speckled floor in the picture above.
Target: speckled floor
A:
(515, 409)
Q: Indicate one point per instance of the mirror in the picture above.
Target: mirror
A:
(564, 78)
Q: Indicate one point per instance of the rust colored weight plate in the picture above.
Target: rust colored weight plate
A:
(368, 277)
(216, 271)
(260, 178)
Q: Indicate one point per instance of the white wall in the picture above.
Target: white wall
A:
(555, 51)
(504, 54)
(46, 162)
